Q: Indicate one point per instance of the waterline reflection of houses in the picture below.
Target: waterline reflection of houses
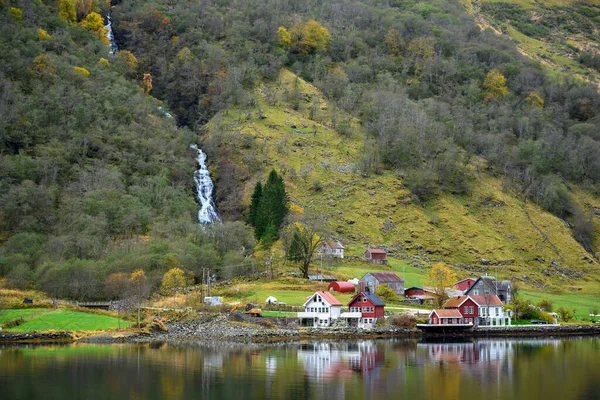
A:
(484, 360)
(331, 360)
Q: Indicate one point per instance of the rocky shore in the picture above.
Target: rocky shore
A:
(243, 328)
(34, 337)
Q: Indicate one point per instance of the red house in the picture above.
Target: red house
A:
(378, 256)
(369, 306)
(467, 307)
(465, 284)
(446, 317)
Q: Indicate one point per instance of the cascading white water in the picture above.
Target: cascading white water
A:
(204, 190)
(111, 37)
(204, 185)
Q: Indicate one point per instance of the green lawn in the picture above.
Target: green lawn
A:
(65, 320)
(412, 276)
(583, 303)
(26, 313)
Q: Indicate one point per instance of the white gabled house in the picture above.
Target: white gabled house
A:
(331, 248)
(320, 310)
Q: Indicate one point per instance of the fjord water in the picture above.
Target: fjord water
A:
(367, 369)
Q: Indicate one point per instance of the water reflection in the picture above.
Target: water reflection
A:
(490, 369)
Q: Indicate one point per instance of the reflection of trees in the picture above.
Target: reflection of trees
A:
(493, 369)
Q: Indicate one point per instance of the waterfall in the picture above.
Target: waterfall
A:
(111, 37)
(204, 190)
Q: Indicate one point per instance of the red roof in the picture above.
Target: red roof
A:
(386, 277)
(377, 251)
(489, 300)
(452, 313)
(466, 279)
(455, 302)
(328, 297)
(342, 287)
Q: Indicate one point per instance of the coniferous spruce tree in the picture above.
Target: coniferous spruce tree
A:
(272, 208)
(254, 203)
(296, 250)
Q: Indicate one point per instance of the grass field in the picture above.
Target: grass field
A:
(26, 313)
(582, 303)
(63, 320)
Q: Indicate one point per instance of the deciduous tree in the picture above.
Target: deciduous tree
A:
(139, 288)
(172, 279)
(495, 85)
(439, 277)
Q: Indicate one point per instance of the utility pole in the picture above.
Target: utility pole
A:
(321, 272)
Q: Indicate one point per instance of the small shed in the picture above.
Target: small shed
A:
(341, 287)
(378, 256)
(271, 300)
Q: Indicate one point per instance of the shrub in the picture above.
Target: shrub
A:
(386, 293)
(403, 321)
(565, 315)
(81, 71)
(545, 305)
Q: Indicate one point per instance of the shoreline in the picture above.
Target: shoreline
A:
(280, 335)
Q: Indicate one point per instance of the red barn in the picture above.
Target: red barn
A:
(369, 305)
(467, 307)
(341, 287)
(465, 284)
(378, 256)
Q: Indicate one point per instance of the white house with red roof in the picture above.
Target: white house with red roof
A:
(320, 310)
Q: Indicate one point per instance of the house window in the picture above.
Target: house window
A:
(497, 311)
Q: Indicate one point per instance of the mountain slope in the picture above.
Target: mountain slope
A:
(561, 34)
(490, 229)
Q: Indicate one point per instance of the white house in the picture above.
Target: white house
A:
(332, 248)
(491, 310)
(320, 310)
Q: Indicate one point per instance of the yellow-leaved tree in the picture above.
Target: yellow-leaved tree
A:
(94, 23)
(42, 34)
(394, 42)
(439, 278)
(495, 85)
(172, 279)
(535, 100)
(306, 38)
(285, 39)
(67, 10)
(147, 83)
(139, 288)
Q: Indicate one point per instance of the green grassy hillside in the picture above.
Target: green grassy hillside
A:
(557, 33)
(488, 230)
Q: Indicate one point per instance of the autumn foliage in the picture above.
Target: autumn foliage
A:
(495, 85)
(305, 37)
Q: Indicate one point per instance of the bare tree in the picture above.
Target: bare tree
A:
(139, 289)
(304, 236)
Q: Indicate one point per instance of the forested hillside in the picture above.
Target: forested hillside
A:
(402, 123)
(95, 178)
